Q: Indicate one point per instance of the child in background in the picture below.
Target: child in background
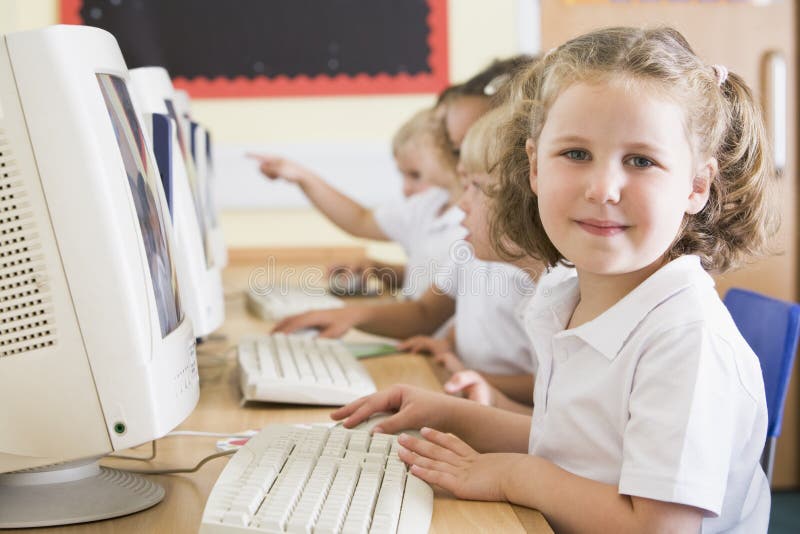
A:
(461, 105)
(487, 295)
(424, 224)
(457, 108)
(644, 168)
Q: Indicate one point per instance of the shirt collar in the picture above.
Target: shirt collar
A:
(609, 332)
(451, 217)
(549, 310)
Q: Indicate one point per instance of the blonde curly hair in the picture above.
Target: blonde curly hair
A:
(425, 128)
(722, 119)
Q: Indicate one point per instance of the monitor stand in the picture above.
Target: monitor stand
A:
(73, 492)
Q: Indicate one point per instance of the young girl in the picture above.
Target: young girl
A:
(644, 168)
(423, 224)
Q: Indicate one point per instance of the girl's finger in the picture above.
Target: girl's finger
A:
(407, 344)
(373, 405)
(461, 380)
(333, 331)
(347, 409)
(411, 458)
(259, 157)
(446, 481)
(388, 400)
(428, 449)
(448, 441)
(290, 324)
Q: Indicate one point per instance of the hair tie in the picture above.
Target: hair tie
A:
(495, 84)
(721, 73)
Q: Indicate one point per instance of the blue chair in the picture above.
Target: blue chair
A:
(771, 328)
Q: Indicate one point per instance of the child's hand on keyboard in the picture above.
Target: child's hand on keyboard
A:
(446, 461)
(414, 409)
(330, 323)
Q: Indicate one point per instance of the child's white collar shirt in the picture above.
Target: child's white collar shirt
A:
(660, 395)
(489, 331)
(426, 231)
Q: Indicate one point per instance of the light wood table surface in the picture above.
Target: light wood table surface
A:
(219, 410)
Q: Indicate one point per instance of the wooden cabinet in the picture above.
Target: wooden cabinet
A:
(740, 36)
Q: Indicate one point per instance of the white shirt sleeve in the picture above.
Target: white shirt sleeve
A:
(394, 220)
(401, 220)
(445, 279)
(682, 425)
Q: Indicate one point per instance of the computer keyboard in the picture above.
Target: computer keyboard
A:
(317, 479)
(300, 369)
(276, 305)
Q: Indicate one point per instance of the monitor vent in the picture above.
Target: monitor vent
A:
(26, 314)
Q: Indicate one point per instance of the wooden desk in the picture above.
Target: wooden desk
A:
(219, 411)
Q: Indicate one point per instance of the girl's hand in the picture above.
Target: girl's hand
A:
(449, 361)
(473, 386)
(441, 349)
(330, 323)
(446, 461)
(276, 167)
(414, 408)
(431, 345)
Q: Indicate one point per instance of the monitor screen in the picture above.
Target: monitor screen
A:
(210, 179)
(193, 182)
(143, 179)
(203, 169)
(162, 148)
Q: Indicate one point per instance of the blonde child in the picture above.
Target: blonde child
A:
(486, 295)
(488, 334)
(644, 168)
(424, 224)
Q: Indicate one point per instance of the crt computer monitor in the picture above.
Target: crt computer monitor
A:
(202, 152)
(96, 353)
(200, 277)
(202, 155)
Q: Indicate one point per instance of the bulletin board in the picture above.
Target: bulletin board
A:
(751, 2)
(256, 48)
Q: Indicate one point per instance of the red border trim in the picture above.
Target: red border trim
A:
(321, 85)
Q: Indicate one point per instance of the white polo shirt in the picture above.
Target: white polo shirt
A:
(425, 232)
(660, 395)
(490, 336)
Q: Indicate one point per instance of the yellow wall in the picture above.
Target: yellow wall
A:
(478, 31)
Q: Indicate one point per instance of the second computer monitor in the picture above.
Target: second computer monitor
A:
(199, 272)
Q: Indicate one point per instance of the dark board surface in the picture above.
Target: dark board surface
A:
(244, 41)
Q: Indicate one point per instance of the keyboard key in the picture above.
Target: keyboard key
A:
(266, 358)
(285, 358)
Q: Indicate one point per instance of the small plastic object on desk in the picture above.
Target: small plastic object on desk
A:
(349, 284)
(369, 349)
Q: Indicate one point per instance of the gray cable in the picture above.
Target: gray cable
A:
(179, 470)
